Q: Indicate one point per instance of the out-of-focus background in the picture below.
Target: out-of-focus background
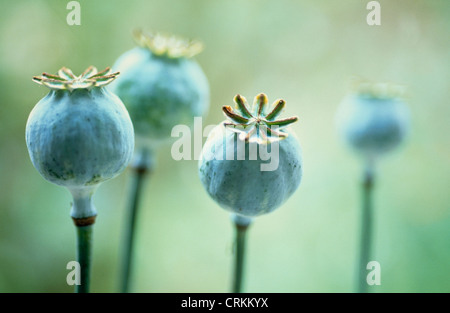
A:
(302, 51)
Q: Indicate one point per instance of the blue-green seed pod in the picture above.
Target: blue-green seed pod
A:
(80, 134)
(161, 85)
(374, 120)
(247, 166)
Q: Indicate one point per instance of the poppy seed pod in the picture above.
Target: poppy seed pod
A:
(374, 119)
(161, 85)
(80, 134)
(233, 158)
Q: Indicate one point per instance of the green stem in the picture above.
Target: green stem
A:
(366, 227)
(140, 169)
(84, 257)
(241, 232)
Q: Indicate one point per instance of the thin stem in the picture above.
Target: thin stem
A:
(84, 257)
(241, 232)
(366, 227)
(139, 171)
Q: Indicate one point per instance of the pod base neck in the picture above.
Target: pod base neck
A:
(85, 221)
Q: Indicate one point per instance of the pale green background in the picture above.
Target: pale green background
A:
(302, 51)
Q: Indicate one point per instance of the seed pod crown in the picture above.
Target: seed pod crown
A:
(257, 124)
(66, 80)
(379, 90)
(170, 46)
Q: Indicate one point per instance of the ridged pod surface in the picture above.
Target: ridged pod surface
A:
(161, 85)
(374, 119)
(232, 164)
(79, 135)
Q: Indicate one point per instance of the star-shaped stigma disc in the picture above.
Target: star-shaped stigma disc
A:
(258, 123)
(66, 80)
